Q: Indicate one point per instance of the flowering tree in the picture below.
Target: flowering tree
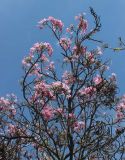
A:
(70, 109)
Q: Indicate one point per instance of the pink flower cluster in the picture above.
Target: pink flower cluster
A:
(36, 71)
(61, 88)
(81, 50)
(41, 47)
(68, 78)
(7, 105)
(72, 121)
(99, 51)
(51, 66)
(113, 77)
(70, 29)
(90, 57)
(27, 61)
(121, 109)
(79, 125)
(65, 43)
(48, 90)
(87, 91)
(71, 116)
(56, 24)
(42, 23)
(119, 115)
(44, 58)
(43, 90)
(12, 129)
(4, 104)
(73, 58)
(47, 112)
(83, 24)
(97, 80)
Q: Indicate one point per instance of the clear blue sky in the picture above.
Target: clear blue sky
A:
(18, 31)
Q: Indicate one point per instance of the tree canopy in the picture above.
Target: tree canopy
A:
(70, 109)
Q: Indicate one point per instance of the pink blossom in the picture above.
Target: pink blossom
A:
(81, 50)
(121, 106)
(90, 57)
(49, 48)
(42, 23)
(68, 78)
(47, 112)
(41, 47)
(97, 80)
(5, 104)
(13, 111)
(27, 61)
(44, 58)
(83, 24)
(60, 87)
(12, 129)
(36, 71)
(42, 90)
(72, 116)
(119, 115)
(99, 51)
(87, 91)
(120, 112)
(65, 43)
(56, 24)
(38, 47)
(79, 125)
(68, 30)
(51, 65)
(113, 77)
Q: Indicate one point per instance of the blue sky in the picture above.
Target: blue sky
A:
(18, 31)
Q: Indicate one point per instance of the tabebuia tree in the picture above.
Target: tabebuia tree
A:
(70, 109)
